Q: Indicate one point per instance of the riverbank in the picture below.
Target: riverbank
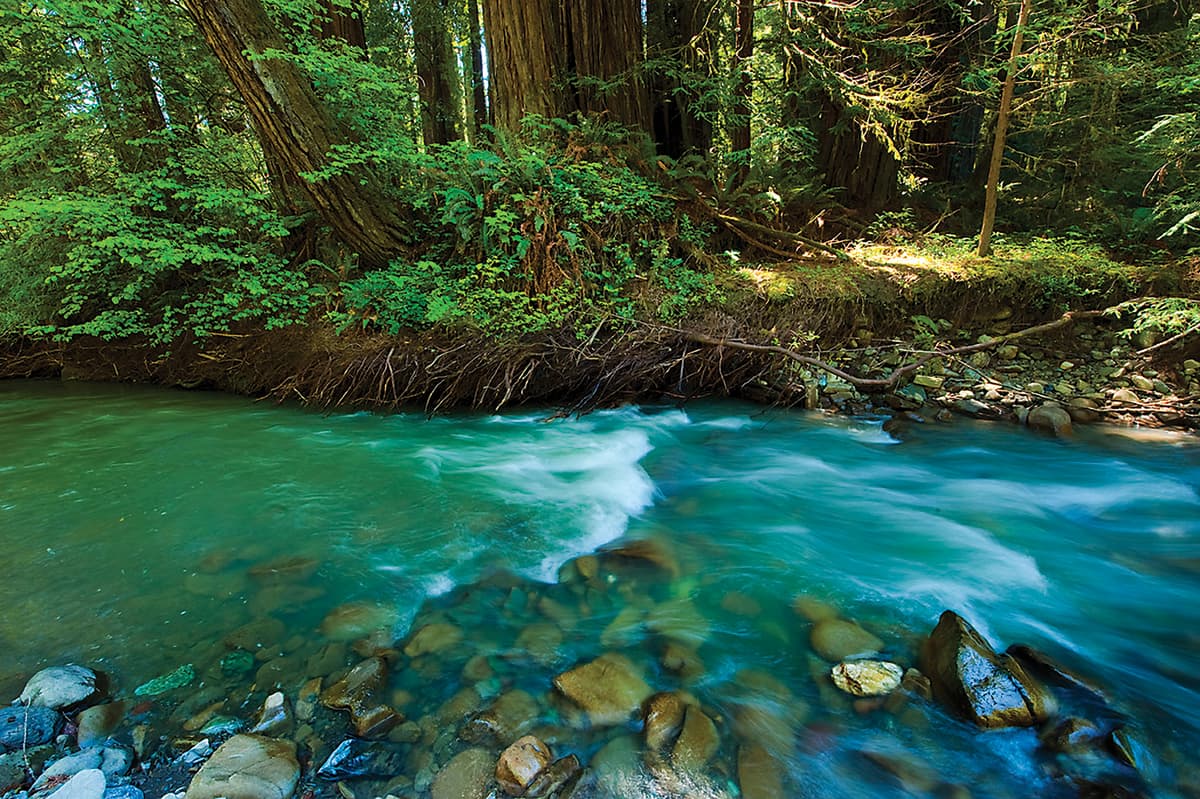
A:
(923, 334)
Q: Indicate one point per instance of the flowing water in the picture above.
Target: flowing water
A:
(129, 519)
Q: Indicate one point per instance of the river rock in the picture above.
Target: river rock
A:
(275, 718)
(358, 693)
(180, 678)
(248, 767)
(466, 776)
(698, 741)
(554, 777)
(357, 619)
(760, 775)
(432, 639)
(21, 727)
(257, 634)
(89, 784)
(968, 677)
(508, 718)
(679, 620)
(650, 552)
(60, 687)
(286, 569)
(542, 642)
(1124, 396)
(520, 763)
(1050, 417)
(838, 639)
(98, 722)
(610, 689)
(113, 761)
(356, 759)
(867, 677)
(662, 719)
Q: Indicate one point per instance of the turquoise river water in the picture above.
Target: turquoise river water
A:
(129, 519)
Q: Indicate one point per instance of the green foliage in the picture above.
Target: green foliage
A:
(1169, 316)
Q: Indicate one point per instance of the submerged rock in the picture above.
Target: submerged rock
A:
(698, 741)
(275, 718)
(867, 677)
(555, 777)
(22, 727)
(466, 776)
(60, 687)
(248, 767)
(358, 693)
(355, 620)
(286, 569)
(356, 759)
(181, 677)
(521, 763)
(610, 689)
(1050, 417)
(972, 680)
(432, 639)
(507, 719)
(662, 719)
(838, 639)
(760, 775)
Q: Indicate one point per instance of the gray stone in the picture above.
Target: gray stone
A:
(123, 792)
(21, 727)
(970, 679)
(60, 686)
(114, 761)
(466, 776)
(89, 784)
(248, 767)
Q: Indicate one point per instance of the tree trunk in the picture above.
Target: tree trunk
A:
(676, 33)
(527, 57)
(993, 182)
(437, 72)
(345, 21)
(739, 133)
(604, 53)
(549, 57)
(478, 89)
(294, 128)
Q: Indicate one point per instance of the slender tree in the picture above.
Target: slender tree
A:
(1002, 115)
(743, 90)
(437, 71)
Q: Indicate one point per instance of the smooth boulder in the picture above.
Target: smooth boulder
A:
(521, 763)
(969, 678)
(610, 689)
(248, 767)
(22, 727)
(60, 687)
(867, 677)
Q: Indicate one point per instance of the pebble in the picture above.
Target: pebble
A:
(867, 677)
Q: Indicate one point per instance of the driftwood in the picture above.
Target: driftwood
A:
(876, 385)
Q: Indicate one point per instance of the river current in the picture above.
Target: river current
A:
(130, 517)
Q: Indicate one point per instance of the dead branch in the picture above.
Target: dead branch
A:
(874, 385)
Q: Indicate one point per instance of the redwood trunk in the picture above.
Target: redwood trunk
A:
(676, 34)
(294, 128)
(526, 51)
(478, 90)
(437, 72)
(739, 133)
(604, 52)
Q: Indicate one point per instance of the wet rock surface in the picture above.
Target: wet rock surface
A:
(60, 687)
(248, 767)
(972, 680)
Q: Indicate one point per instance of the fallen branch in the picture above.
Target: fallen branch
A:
(737, 221)
(874, 385)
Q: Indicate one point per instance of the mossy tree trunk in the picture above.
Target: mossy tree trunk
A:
(295, 129)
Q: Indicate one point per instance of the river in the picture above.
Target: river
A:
(131, 518)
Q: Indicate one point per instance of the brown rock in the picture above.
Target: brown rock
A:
(760, 775)
(356, 620)
(650, 552)
(838, 639)
(509, 717)
(432, 639)
(698, 741)
(968, 677)
(521, 763)
(285, 569)
(867, 677)
(554, 777)
(359, 693)
(97, 723)
(610, 689)
(662, 717)
(257, 634)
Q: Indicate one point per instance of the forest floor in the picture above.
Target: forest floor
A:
(923, 331)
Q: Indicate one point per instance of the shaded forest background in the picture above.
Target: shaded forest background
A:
(179, 169)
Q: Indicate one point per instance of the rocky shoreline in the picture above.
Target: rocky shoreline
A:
(477, 699)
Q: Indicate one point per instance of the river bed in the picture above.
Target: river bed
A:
(145, 529)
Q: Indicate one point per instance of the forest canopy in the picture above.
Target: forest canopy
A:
(178, 169)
